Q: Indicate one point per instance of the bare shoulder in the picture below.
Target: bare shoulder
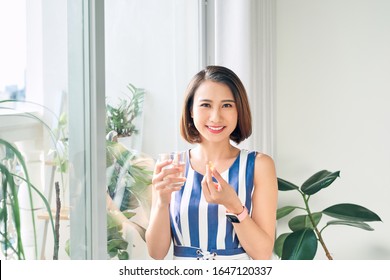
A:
(264, 169)
(264, 161)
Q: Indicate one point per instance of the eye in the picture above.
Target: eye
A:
(227, 105)
(204, 105)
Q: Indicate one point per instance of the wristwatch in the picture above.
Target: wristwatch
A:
(237, 218)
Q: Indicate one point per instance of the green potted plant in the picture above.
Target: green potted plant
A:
(10, 216)
(121, 118)
(129, 173)
(302, 241)
(13, 172)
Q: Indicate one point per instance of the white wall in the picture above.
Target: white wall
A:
(333, 95)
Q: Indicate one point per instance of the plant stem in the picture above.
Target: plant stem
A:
(318, 233)
(57, 221)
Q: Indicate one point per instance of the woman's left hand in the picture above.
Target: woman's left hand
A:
(220, 192)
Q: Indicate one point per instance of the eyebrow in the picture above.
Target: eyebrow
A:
(209, 100)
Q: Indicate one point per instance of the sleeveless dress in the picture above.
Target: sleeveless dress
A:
(200, 230)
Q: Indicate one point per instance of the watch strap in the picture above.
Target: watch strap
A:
(237, 218)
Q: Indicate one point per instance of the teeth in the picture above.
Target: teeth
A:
(215, 128)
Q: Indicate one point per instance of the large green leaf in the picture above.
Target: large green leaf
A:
(284, 211)
(351, 212)
(319, 181)
(351, 223)
(300, 245)
(278, 246)
(303, 221)
(284, 185)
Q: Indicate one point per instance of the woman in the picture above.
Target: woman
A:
(226, 208)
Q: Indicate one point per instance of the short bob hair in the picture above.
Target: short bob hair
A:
(218, 74)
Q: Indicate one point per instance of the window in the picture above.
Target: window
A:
(12, 49)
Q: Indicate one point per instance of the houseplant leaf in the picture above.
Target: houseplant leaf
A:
(278, 246)
(284, 185)
(360, 225)
(9, 196)
(300, 245)
(123, 255)
(129, 214)
(318, 181)
(115, 244)
(284, 211)
(351, 212)
(121, 117)
(303, 221)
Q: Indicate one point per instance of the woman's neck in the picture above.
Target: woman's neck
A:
(222, 156)
(215, 151)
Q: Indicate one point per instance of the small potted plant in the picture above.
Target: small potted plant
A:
(129, 175)
(121, 119)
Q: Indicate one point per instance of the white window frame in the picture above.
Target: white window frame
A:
(88, 223)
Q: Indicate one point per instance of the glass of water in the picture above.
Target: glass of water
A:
(178, 160)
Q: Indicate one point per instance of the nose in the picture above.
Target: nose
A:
(215, 115)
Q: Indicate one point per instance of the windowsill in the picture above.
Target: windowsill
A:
(17, 125)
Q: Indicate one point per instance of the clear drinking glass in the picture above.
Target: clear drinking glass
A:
(178, 160)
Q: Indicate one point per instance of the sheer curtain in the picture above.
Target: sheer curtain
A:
(241, 36)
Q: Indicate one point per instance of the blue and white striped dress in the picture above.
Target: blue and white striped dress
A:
(201, 230)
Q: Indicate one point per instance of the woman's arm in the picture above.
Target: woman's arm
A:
(158, 234)
(257, 232)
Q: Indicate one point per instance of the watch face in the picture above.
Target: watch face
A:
(232, 218)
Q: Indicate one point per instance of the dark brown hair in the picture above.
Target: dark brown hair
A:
(225, 76)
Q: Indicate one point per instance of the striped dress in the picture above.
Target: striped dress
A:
(200, 230)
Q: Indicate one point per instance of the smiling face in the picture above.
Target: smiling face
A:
(214, 111)
(215, 85)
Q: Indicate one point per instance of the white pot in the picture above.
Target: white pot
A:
(126, 141)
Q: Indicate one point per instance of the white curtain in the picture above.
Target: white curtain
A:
(241, 36)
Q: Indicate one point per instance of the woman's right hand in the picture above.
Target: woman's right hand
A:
(164, 182)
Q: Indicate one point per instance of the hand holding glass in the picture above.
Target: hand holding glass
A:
(178, 160)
